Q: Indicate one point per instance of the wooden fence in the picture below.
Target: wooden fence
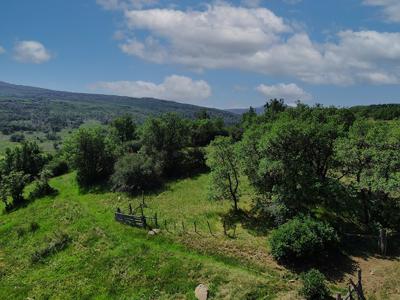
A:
(355, 289)
(136, 218)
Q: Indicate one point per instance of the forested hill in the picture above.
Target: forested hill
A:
(26, 107)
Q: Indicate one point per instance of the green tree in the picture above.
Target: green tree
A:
(163, 139)
(288, 160)
(12, 185)
(92, 152)
(273, 107)
(134, 173)
(224, 165)
(369, 160)
(26, 158)
(125, 128)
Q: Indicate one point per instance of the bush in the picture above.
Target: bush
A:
(302, 239)
(17, 137)
(58, 167)
(33, 227)
(193, 162)
(57, 244)
(42, 187)
(134, 173)
(314, 287)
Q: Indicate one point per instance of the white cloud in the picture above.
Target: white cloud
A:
(125, 4)
(290, 92)
(391, 8)
(174, 87)
(31, 52)
(2, 50)
(257, 40)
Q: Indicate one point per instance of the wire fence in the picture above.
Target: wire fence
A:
(132, 218)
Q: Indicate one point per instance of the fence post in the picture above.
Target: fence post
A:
(155, 220)
(359, 285)
(143, 217)
(350, 293)
(209, 227)
(339, 297)
(118, 210)
(165, 225)
(143, 203)
(224, 228)
(130, 209)
(195, 227)
(183, 226)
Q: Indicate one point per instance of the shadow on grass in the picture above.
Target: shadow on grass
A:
(12, 207)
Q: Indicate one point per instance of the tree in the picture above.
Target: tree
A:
(163, 139)
(203, 131)
(369, 159)
(125, 128)
(202, 114)
(224, 165)
(288, 160)
(92, 152)
(274, 107)
(12, 185)
(134, 173)
(26, 158)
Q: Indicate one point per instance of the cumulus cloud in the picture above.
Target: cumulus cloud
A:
(257, 40)
(290, 92)
(174, 87)
(2, 50)
(391, 8)
(31, 52)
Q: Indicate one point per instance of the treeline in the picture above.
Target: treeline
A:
(378, 112)
(131, 157)
(317, 173)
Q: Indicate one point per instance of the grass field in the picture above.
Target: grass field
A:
(40, 138)
(103, 259)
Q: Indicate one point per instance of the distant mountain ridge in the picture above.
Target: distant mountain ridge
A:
(115, 105)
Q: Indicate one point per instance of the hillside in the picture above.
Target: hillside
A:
(36, 109)
(104, 259)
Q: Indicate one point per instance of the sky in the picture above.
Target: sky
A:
(223, 54)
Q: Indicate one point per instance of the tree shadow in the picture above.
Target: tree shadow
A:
(12, 207)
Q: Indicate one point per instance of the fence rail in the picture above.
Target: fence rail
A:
(354, 288)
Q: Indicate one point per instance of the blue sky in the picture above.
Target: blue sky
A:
(213, 53)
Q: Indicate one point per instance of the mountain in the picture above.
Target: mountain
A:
(32, 108)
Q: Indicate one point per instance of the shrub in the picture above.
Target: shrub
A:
(193, 162)
(314, 287)
(21, 232)
(57, 244)
(58, 167)
(135, 172)
(42, 187)
(17, 137)
(302, 239)
(33, 226)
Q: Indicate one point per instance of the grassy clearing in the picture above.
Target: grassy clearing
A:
(108, 260)
(40, 138)
(84, 253)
